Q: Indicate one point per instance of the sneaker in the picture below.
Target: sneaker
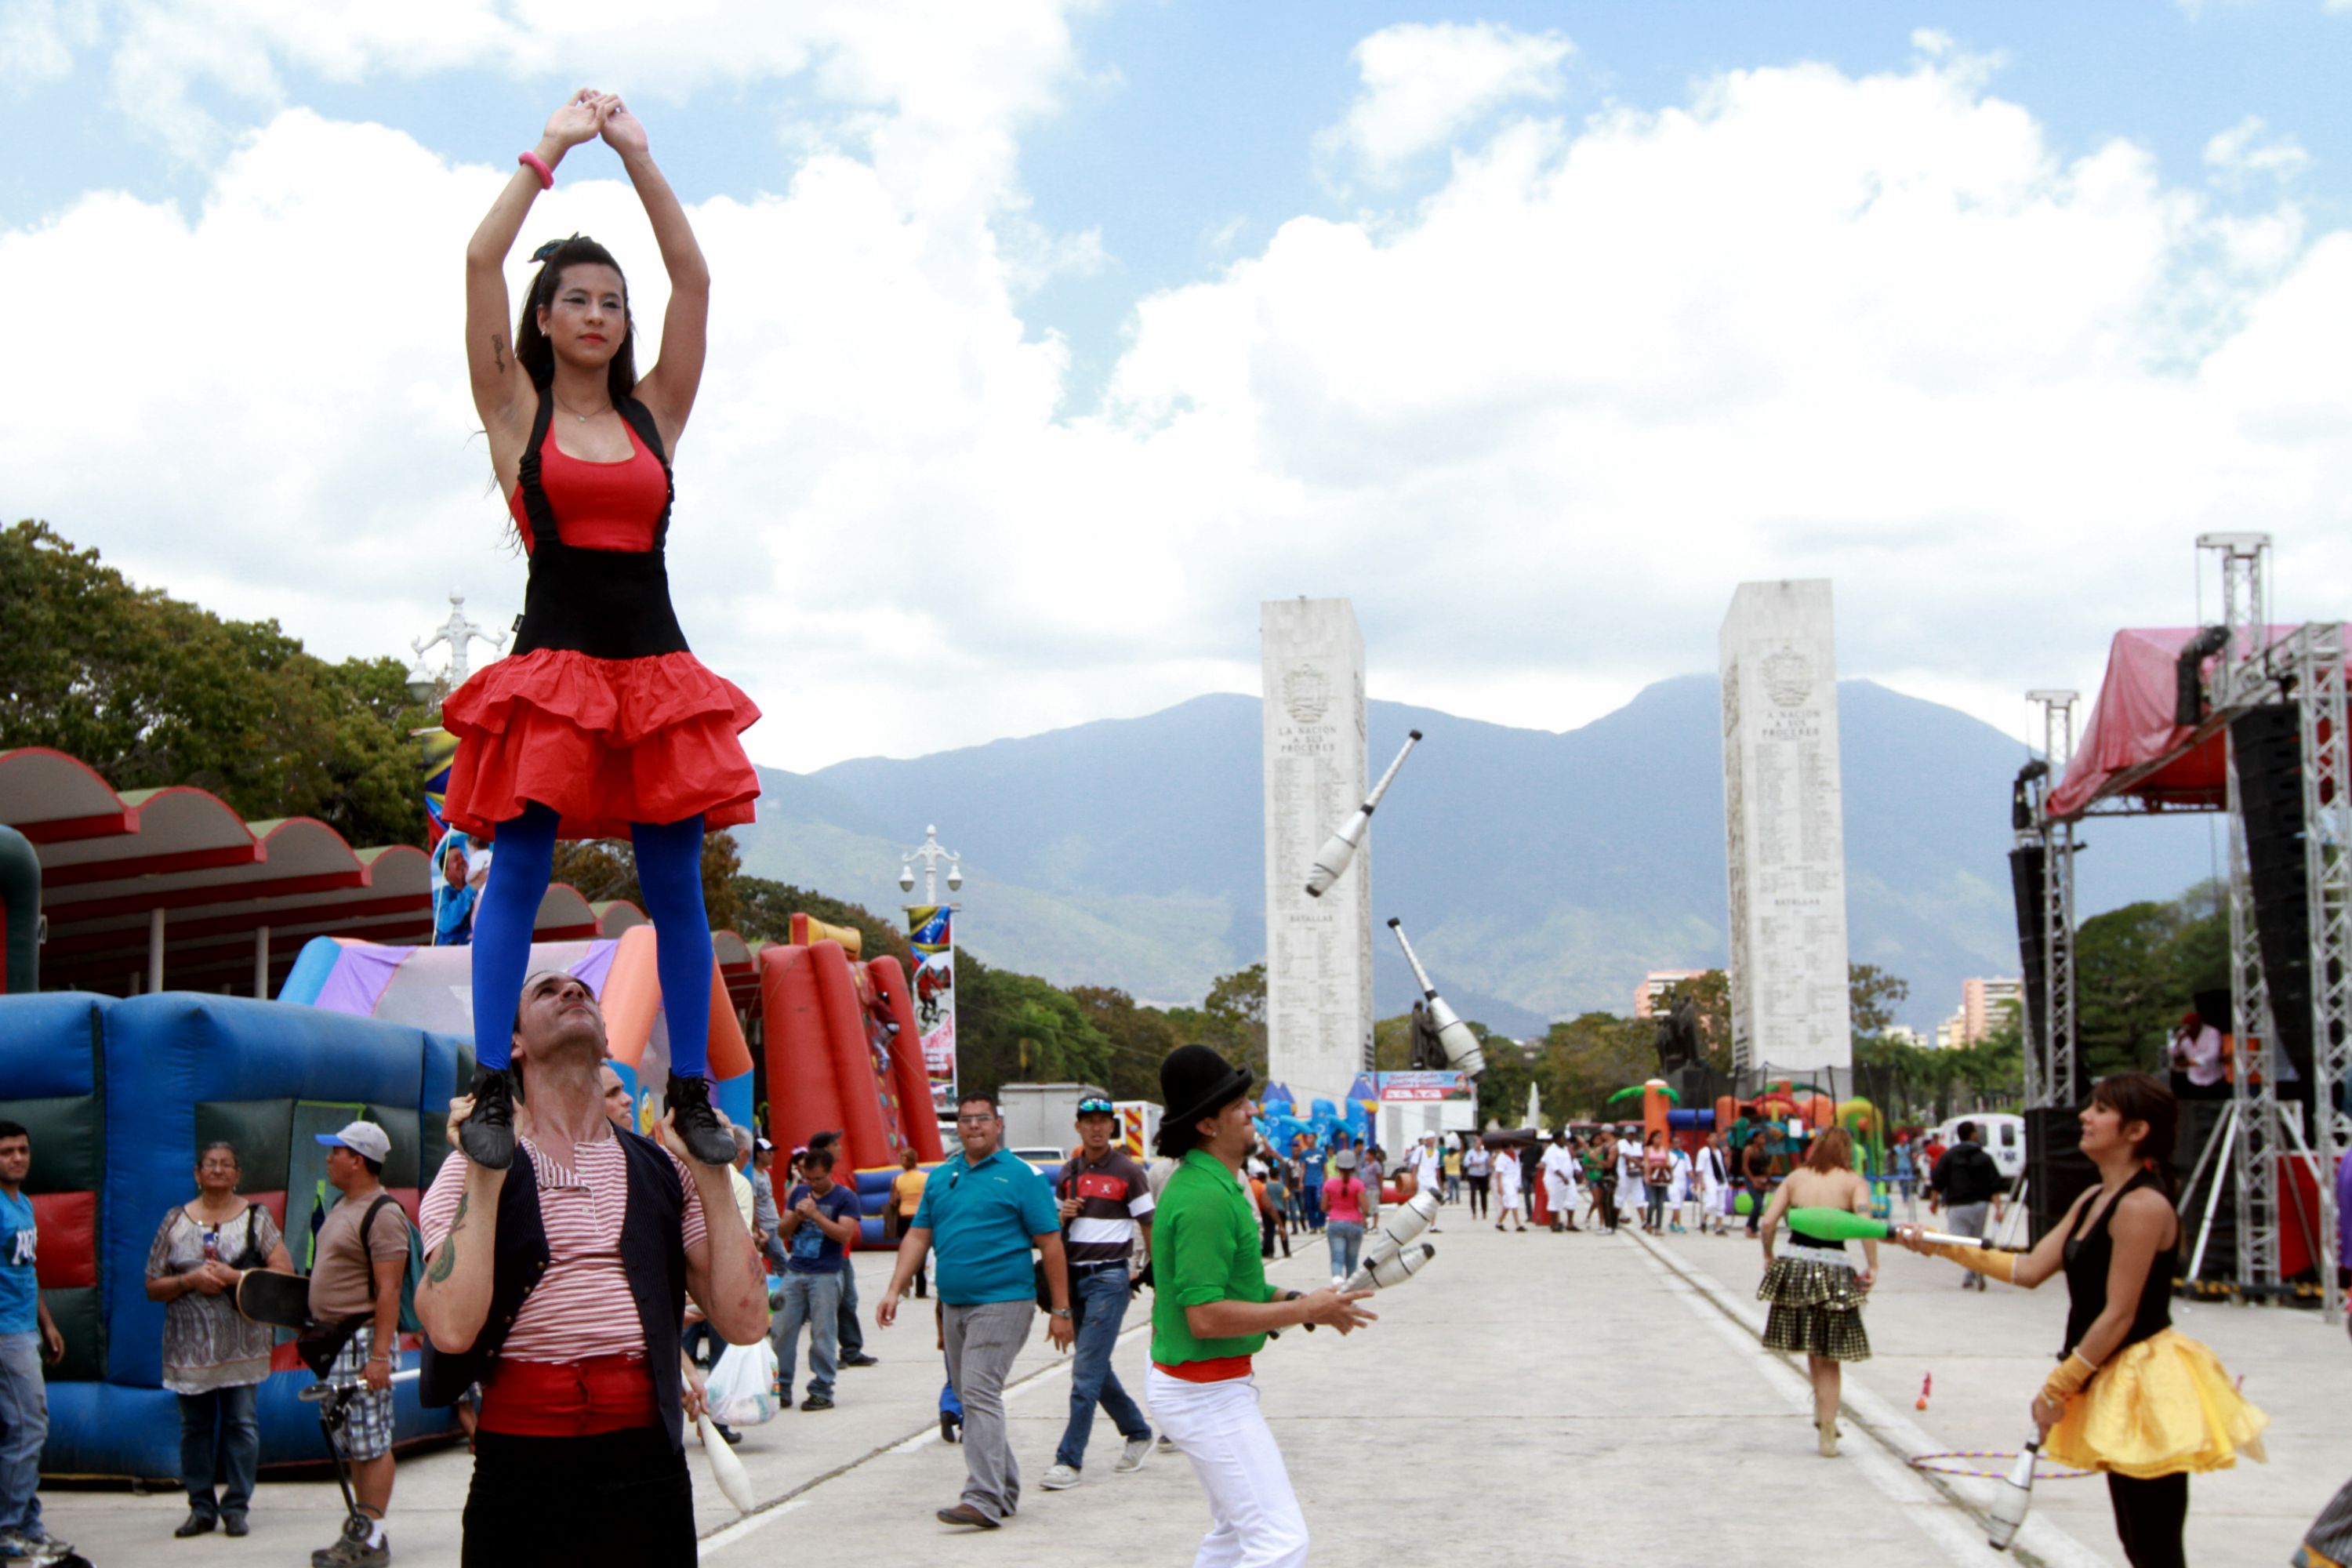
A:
(964, 1513)
(688, 1102)
(1131, 1458)
(817, 1402)
(351, 1550)
(1165, 1444)
(1061, 1478)
(488, 1136)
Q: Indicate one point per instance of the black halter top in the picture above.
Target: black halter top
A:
(2089, 1252)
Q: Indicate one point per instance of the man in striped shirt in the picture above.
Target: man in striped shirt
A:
(560, 1284)
(1105, 1202)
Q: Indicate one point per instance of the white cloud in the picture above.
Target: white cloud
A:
(1425, 83)
(953, 81)
(1538, 427)
(2243, 151)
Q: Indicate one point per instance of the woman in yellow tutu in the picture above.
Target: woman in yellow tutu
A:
(2130, 1396)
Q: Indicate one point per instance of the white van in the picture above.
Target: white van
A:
(2004, 1140)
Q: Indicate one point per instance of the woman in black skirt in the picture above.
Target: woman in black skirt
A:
(1815, 1291)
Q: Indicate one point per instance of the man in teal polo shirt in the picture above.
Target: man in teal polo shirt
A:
(1212, 1310)
(985, 1210)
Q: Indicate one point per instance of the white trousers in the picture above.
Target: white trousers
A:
(1253, 1517)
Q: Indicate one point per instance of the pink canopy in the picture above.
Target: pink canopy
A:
(2131, 726)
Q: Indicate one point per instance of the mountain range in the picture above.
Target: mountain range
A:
(1542, 874)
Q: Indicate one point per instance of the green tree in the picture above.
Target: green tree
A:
(151, 690)
(2138, 968)
(1017, 1028)
(764, 908)
(1139, 1038)
(1872, 996)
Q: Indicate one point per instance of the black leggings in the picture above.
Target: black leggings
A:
(2149, 1517)
(1478, 1185)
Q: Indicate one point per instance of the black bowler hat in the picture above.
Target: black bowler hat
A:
(1195, 1081)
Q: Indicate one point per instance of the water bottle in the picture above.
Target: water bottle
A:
(2016, 1495)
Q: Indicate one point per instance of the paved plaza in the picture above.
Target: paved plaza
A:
(1572, 1395)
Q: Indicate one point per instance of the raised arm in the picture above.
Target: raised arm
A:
(452, 1298)
(503, 394)
(668, 388)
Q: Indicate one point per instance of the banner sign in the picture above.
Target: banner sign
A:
(1423, 1086)
(931, 931)
(440, 750)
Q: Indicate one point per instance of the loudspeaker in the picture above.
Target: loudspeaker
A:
(2025, 884)
(2267, 744)
(2056, 1171)
(2199, 1118)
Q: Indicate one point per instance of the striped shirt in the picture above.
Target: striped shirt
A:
(1111, 1198)
(580, 1308)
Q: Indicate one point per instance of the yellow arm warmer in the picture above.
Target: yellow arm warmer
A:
(2068, 1380)
(1987, 1261)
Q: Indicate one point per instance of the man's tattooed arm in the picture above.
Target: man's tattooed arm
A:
(498, 351)
(439, 1269)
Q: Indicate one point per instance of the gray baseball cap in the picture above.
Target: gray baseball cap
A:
(361, 1138)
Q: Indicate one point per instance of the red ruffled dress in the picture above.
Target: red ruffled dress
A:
(600, 713)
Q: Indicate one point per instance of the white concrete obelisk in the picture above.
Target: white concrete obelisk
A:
(1318, 951)
(1784, 828)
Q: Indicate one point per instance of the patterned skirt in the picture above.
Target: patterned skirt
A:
(1816, 1310)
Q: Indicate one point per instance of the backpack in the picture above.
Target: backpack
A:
(409, 1324)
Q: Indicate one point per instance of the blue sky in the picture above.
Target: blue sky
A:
(1190, 133)
(1531, 328)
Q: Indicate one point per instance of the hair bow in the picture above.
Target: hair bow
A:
(551, 247)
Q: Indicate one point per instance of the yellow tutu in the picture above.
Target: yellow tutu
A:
(2157, 1408)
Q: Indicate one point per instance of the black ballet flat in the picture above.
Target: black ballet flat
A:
(487, 1135)
(688, 1102)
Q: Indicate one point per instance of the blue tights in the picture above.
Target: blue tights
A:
(669, 875)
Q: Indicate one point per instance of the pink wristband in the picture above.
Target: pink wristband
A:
(538, 165)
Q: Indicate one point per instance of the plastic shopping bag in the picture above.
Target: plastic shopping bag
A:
(742, 1386)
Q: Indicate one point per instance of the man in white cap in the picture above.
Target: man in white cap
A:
(360, 1259)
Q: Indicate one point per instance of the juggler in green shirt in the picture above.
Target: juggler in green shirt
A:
(1204, 1241)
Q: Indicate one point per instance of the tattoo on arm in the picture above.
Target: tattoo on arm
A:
(439, 1270)
(499, 351)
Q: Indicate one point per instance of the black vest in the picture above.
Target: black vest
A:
(606, 604)
(653, 1255)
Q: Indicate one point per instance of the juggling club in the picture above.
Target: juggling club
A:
(725, 1468)
(1401, 1223)
(2010, 1504)
(1339, 849)
(1462, 1051)
(1391, 1270)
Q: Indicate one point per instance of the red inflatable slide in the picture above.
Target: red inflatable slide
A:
(841, 1053)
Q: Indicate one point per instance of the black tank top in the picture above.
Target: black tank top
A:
(2089, 1252)
(606, 604)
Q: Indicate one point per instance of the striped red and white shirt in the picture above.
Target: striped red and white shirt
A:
(582, 1307)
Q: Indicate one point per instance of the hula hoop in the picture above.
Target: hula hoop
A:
(2043, 1470)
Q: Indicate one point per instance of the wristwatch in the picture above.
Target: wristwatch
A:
(1057, 1312)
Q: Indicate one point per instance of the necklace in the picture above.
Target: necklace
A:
(584, 418)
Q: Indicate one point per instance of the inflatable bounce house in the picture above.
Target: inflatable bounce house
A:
(119, 1096)
(431, 988)
(840, 1053)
